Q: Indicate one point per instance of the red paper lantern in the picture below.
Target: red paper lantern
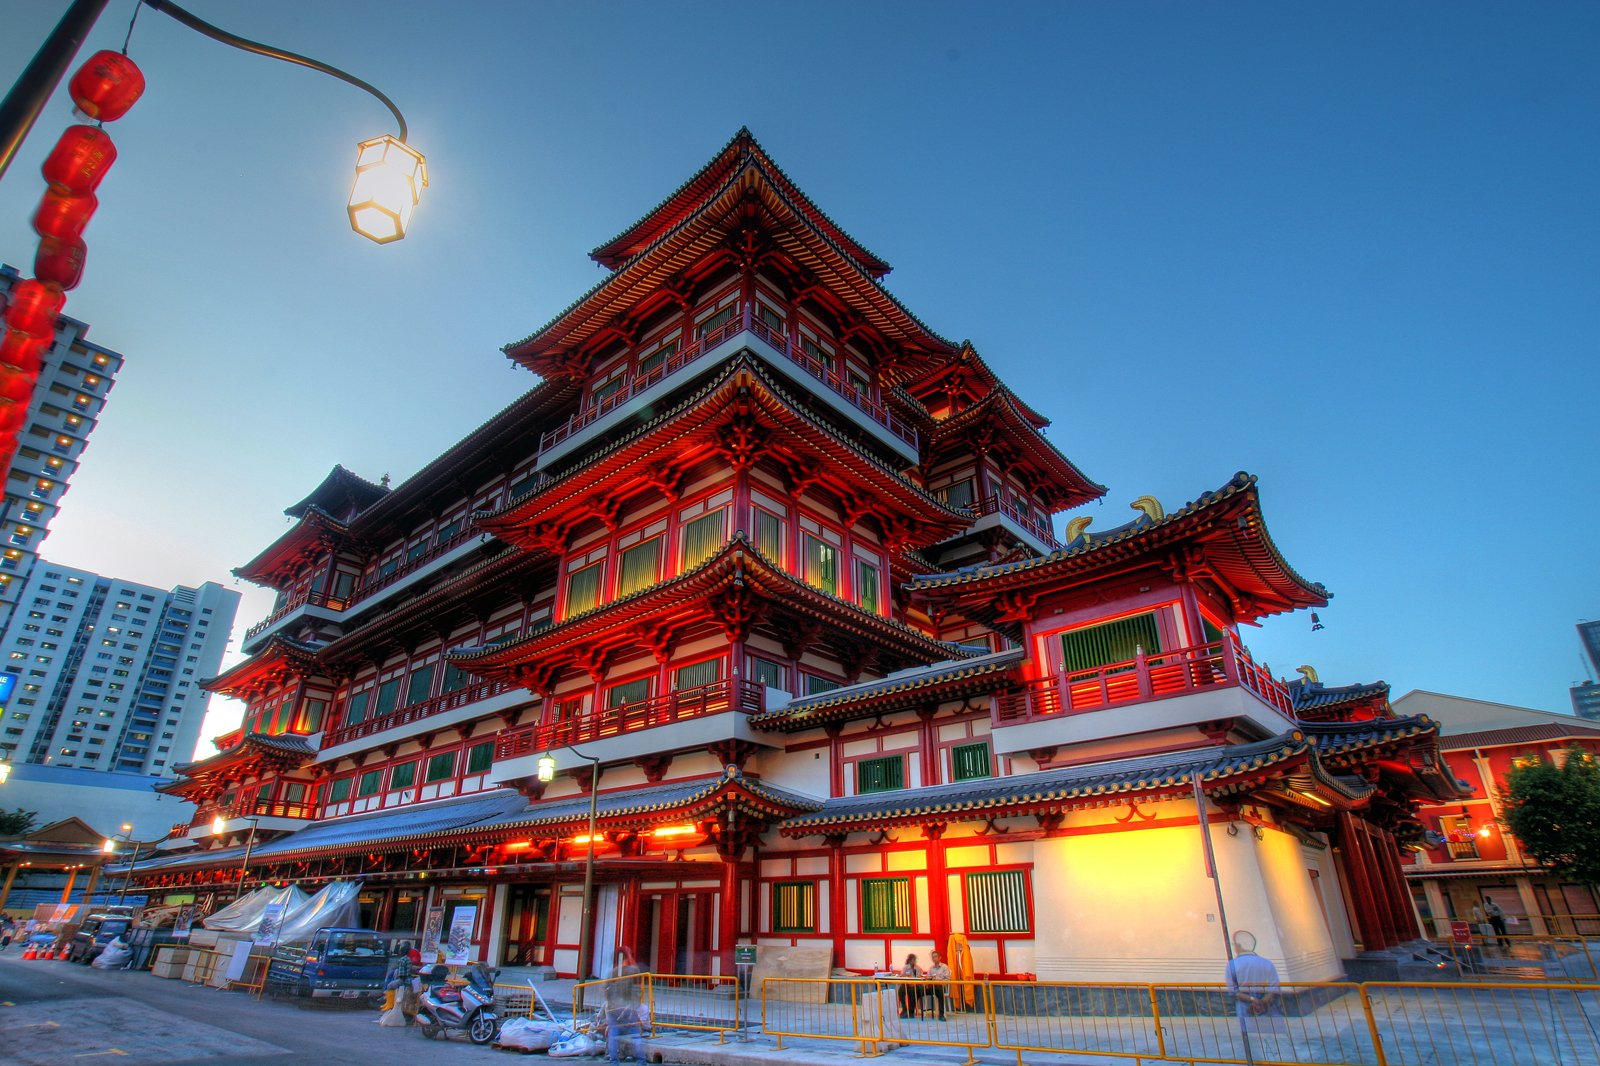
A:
(25, 351)
(106, 86)
(62, 215)
(34, 307)
(59, 262)
(80, 160)
(12, 416)
(15, 386)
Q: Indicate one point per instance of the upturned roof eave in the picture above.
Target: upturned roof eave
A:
(313, 521)
(1002, 406)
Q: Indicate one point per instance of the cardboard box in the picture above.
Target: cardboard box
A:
(203, 938)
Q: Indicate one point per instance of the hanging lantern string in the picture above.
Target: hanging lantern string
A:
(166, 7)
(131, 21)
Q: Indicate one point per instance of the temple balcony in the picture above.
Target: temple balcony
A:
(690, 719)
(269, 815)
(409, 572)
(1209, 682)
(727, 340)
(992, 511)
(446, 709)
(307, 605)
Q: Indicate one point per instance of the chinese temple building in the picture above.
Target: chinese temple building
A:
(770, 569)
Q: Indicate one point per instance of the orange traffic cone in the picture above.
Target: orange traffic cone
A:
(63, 955)
(30, 953)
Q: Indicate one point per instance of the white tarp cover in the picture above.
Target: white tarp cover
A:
(336, 906)
(243, 915)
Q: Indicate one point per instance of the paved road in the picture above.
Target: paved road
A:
(58, 1014)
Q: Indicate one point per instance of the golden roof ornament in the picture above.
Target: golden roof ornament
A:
(1309, 673)
(1150, 506)
(1076, 526)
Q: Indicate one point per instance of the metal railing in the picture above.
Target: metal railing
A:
(1304, 1024)
(743, 695)
(710, 339)
(995, 505)
(690, 1002)
(445, 701)
(304, 599)
(377, 583)
(1162, 675)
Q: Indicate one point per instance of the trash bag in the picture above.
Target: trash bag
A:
(115, 956)
(576, 1046)
(531, 1034)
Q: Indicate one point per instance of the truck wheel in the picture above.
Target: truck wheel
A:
(481, 1029)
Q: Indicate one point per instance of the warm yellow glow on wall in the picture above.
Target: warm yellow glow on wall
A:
(668, 831)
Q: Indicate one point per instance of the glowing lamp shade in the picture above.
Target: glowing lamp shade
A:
(25, 351)
(390, 177)
(108, 846)
(79, 160)
(15, 386)
(5, 772)
(62, 215)
(547, 767)
(106, 86)
(218, 824)
(59, 262)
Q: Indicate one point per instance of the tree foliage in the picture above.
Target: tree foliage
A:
(17, 822)
(1555, 813)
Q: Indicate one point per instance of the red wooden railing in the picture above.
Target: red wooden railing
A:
(719, 696)
(258, 809)
(1146, 677)
(705, 343)
(993, 504)
(312, 599)
(448, 701)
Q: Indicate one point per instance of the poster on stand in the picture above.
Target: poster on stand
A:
(271, 922)
(458, 945)
(183, 922)
(430, 934)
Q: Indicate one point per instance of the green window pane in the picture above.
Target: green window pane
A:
(650, 364)
(628, 692)
(355, 708)
(711, 322)
(997, 902)
(822, 565)
(416, 551)
(404, 775)
(958, 495)
(441, 766)
(867, 586)
(794, 907)
(769, 535)
(419, 685)
(697, 674)
(639, 567)
(1213, 634)
(480, 757)
(454, 678)
(817, 685)
(702, 537)
(370, 782)
(388, 697)
(1110, 642)
(970, 761)
(339, 791)
(880, 775)
(583, 590)
(886, 905)
(766, 672)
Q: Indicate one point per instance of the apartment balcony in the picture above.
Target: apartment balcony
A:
(1036, 532)
(1207, 682)
(643, 390)
(438, 712)
(689, 719)
(312, 604)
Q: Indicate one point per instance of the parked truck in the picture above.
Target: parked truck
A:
(341, 963)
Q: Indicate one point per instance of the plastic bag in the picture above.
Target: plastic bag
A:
(531, 1034)
(114, 957)
(576, 1046)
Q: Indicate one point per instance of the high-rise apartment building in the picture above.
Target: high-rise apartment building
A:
(1586, 693)
(66, 406)
(108, 670)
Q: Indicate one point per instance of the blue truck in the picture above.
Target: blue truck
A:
(336, 963)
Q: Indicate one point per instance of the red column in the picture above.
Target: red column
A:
(631, 903)
(728, 914)
(938, 894)
(930, 747)
(488, 924)
(1405, 914)
(836, 901)
(1380, 888)
(1368, 928)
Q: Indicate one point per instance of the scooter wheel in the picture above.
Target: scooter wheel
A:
(482, 1029)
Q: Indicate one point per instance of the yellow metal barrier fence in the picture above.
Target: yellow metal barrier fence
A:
(849, 1009)
(1485, 1024)
(1522, 956)
(694, 1002)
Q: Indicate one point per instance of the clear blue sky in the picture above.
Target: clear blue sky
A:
(1352, 248)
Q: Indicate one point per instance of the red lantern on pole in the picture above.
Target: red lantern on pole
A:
(62, 215)
(12, 417)
(59, 262)
(34, 307)
(25, 351)
(106, 86)
(15, 386)
(80, 160)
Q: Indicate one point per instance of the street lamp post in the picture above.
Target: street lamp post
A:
(110, 848)
(547, 772)
(219, 825)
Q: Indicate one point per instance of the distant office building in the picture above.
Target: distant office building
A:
(65, 409)
(1586, 693)
(107, 670)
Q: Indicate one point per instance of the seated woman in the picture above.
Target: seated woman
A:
(908, 993)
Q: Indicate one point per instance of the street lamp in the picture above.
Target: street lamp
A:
(109, 846)
(547, 773)
(5, 770)
(390, 174)
(219, 825)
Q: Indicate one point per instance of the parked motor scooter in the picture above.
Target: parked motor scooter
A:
(467, 1008)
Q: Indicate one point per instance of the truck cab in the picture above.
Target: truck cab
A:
(341, 963)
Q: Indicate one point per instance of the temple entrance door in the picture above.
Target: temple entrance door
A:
(675, 931)
(527, 920)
